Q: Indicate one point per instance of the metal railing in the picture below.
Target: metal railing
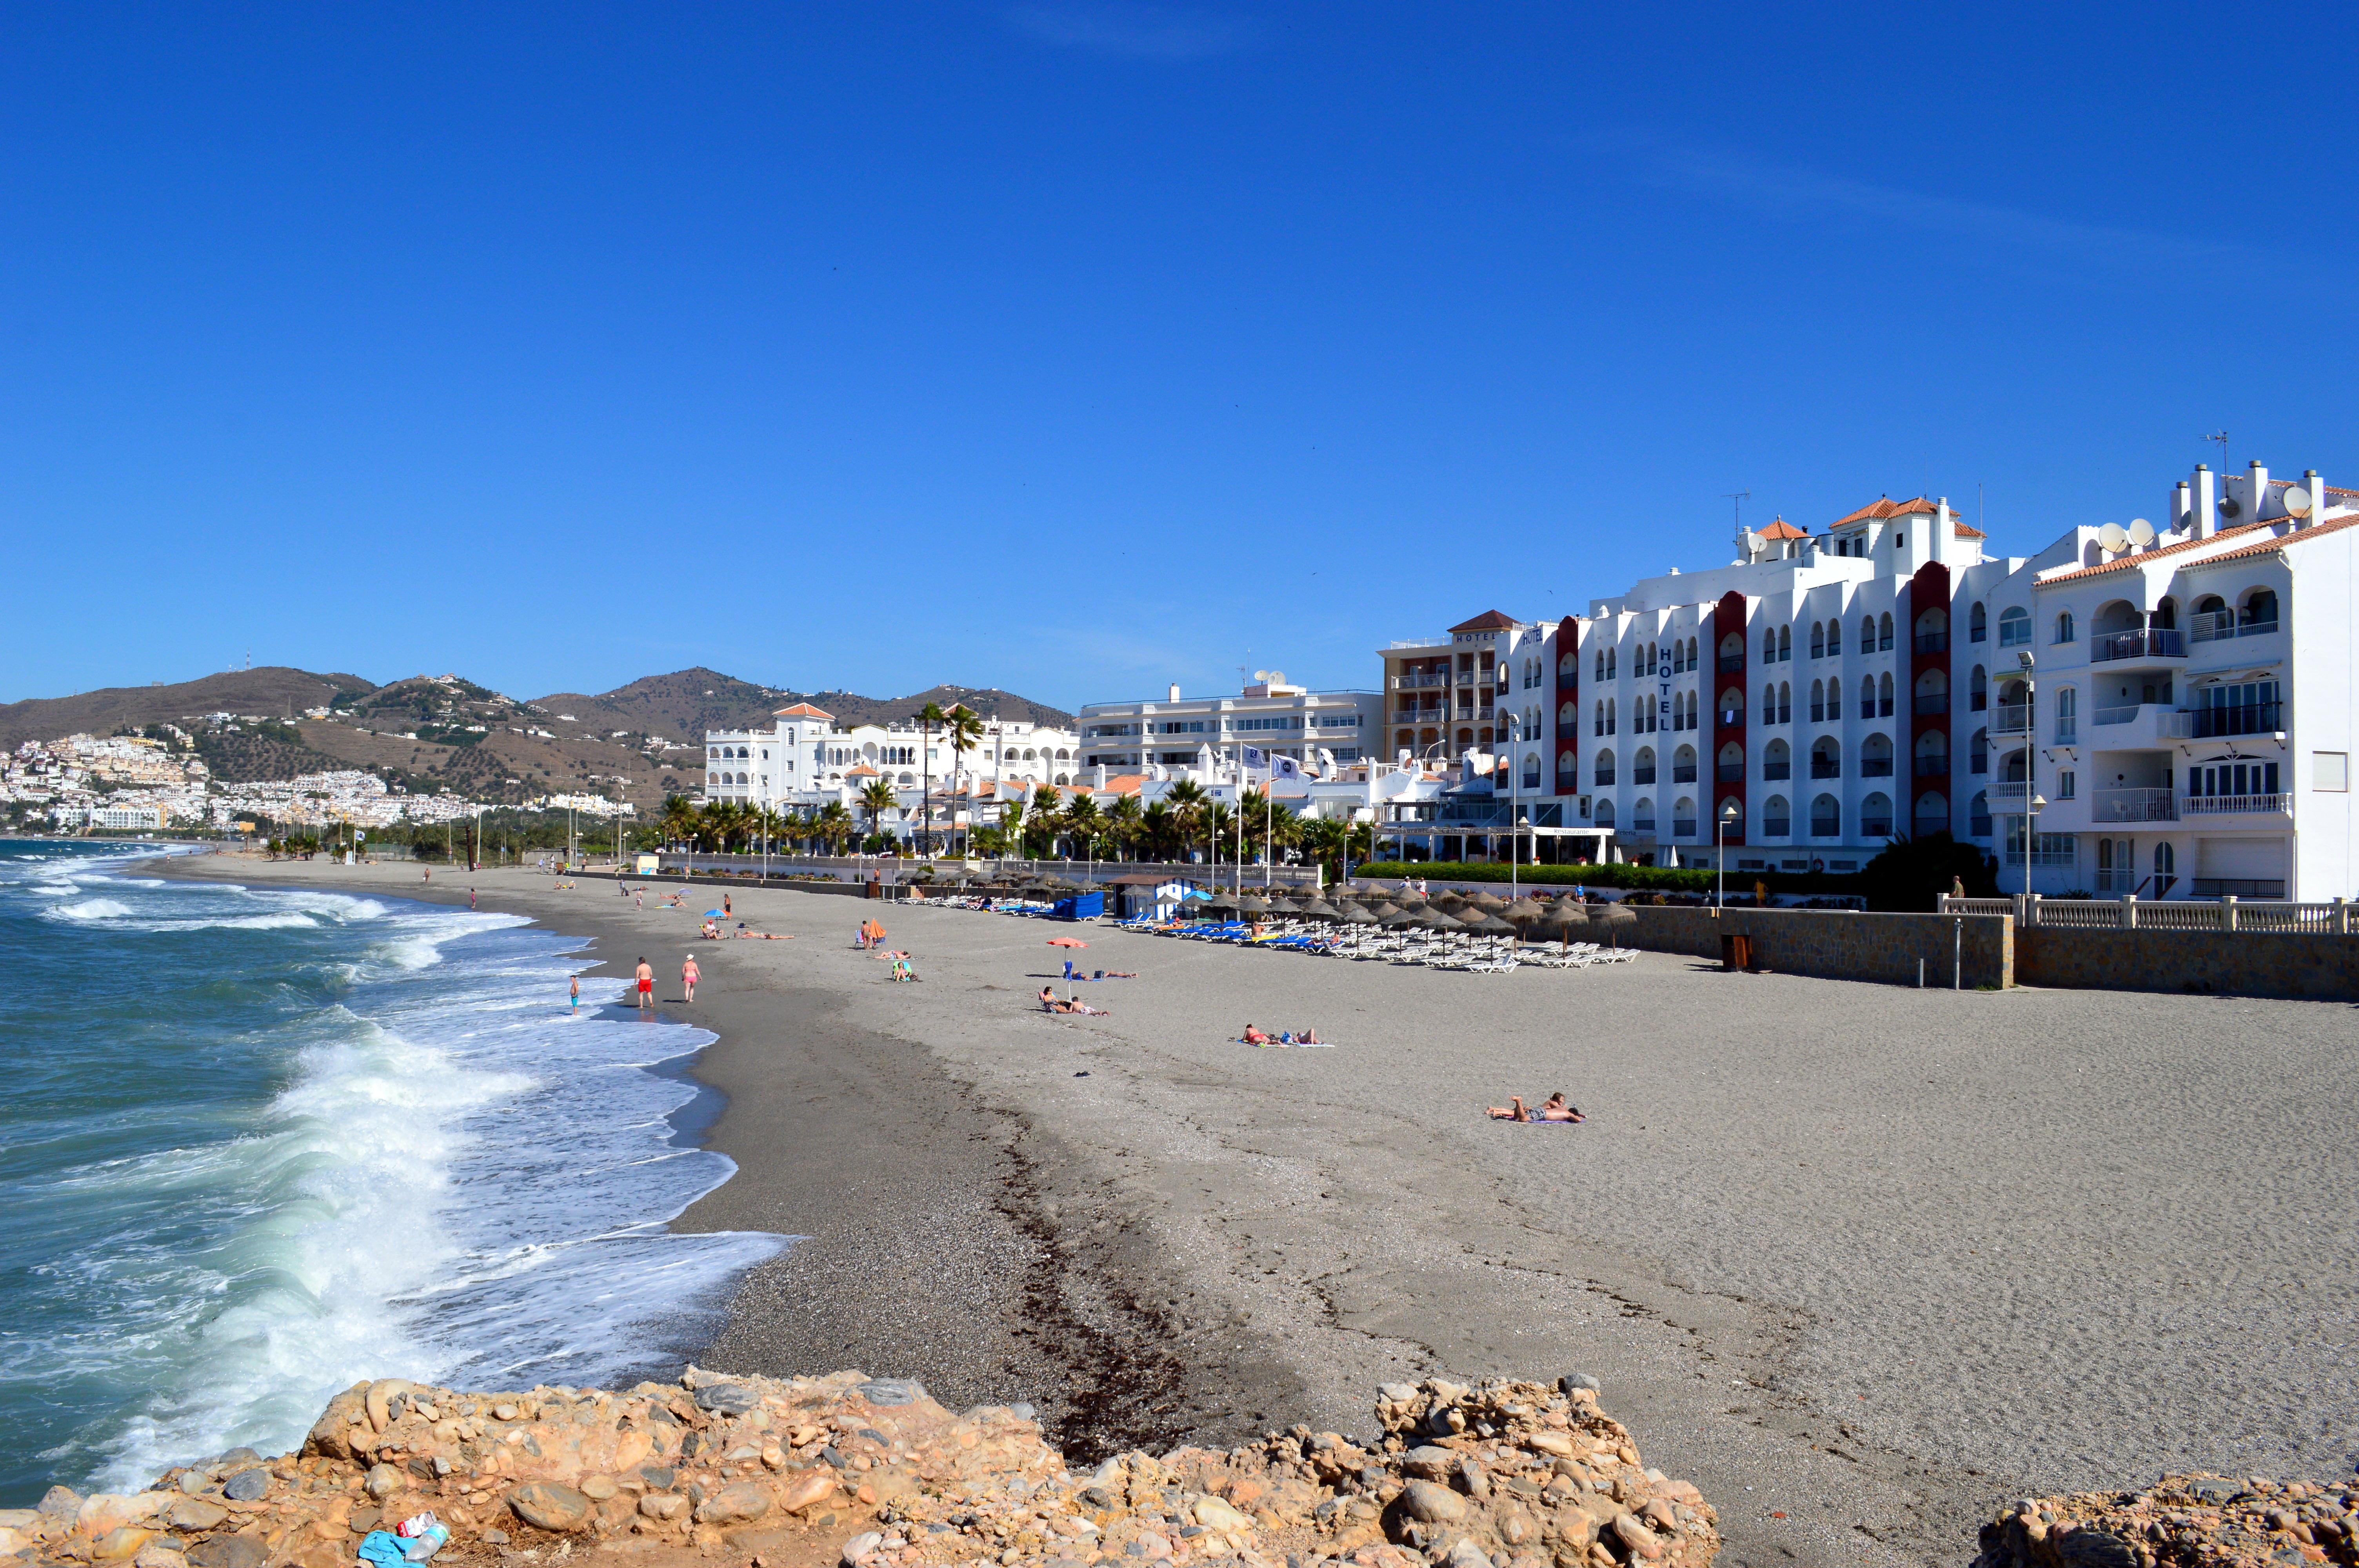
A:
(2239, 719)
(2209, 910)
(1874, 768)
(1931, 767)
(1604, 778)
(2014, 718)
(1730, 664)
(1777, 828)
(2068, 729)
(1642, 775)
(1730, 773)
(1876, 827)
(1772, 772)
(2207, 804)
(1932, 641)
(2155, 642)
(1683, 773)
(1642, 825)
(1417, 682)
(1683, 828)
(1731, 717)
(2217, 625)
(1825, 768)
(1930, 704)
(2133, 806)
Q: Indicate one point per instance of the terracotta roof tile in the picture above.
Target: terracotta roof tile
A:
(1780, 529)
(2263, 547)
(800, 710)
(1489, 621)
(2143, 556)
(1886, 507)
(1960, 531)
(861, 771)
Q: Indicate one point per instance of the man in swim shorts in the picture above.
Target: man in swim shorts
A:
(646, 985)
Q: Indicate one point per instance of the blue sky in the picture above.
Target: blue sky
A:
(1076, 347)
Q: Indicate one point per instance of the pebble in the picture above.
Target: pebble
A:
(248, 1486)
(899, 1391)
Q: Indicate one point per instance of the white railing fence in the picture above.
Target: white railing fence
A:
(2130, 913)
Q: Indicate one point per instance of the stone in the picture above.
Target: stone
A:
(663, 1505)
(120, 1543)
(229, 1551)
(1022, 1411)
(59, 1502)
(1478, 1480)
(494, 1537)
(659, 1477)
(1430, 1504)
(504, 1412)
(815, 1485)
(1554, 1442)
(548, 1505)
(1572, 1381)
(733, 1504)
(1464, 1553)
(598, 1488)
(728, 1398)
(383, 1481)
(194, 1514)
(1397, 1393)
(159, 1554)
(1153, 1546)
(894, 1391)
(1640, 1540)
(1214, 1514)
(862, 1547)
(1429, 1463)
(249, 1486)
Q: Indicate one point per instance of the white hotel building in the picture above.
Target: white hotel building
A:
(1827, 691)
(1191, 732)
(807, 759)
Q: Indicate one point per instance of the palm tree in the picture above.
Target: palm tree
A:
(929, 717)
(1125, 822)
(1188, 800)
(678, 823)
(876, 799)
(1161, 831)
(1085, 822)
(833, 825)
(1047, 818)
(1011, 826)
(964, 731)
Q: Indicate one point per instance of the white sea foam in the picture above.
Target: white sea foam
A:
(92, 909)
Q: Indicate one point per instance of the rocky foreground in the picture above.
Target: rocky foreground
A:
(875, 1474)
(2184, 1522)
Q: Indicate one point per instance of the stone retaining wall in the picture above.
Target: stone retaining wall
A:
(1839, 945)
(2296, 965)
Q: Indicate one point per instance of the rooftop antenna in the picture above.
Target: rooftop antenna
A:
(1737, 501)
(2223, 438)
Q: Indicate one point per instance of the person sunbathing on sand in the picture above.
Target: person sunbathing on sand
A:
(1115, 974)
(1253, 1036)
(1553, 1109)
(1049, 1002)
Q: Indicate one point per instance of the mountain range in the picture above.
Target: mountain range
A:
(642, 740)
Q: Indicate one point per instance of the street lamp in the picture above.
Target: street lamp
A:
(2031, 801)
(1721, 819)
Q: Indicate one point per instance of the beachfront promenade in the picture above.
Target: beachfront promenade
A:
(1870, 1257)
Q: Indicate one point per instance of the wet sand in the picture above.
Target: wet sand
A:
(1868, 1258)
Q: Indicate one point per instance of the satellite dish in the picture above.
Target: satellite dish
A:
(2230, 506)
(1752, 543)
(2113, 539)
(2141, 532)
(1261, 674)
(2297, 501)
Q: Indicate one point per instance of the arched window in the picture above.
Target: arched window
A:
(1732, 706)
(1600, 718)
(1776, 818)
(1604, 815)
(1867, 633)
(1933, 630)
(1531, 769)
(1978, 822)
(2015, 627)
(1835, 701)
(1642, 766)
(1826, 758)
(1600, 663)
(2068, 715)
(1875, 757)
(1732, 651)
(1777, 762)
(1642, 815)
(1817, 702)
(1568, 768)
(1785, 702)
(1817, 640)
(1613, 657)
(1834, 639)
(1826, 817)
(1785, 644)
(1567, 714)
(1732, 764)
(2064, 626)
(1769, 702)
(1978, 690)
(1683, 765)
(1678, 655)
(1932, 760)
(2166, 615)
(1884, 629)
(1977, 623)
(1978, 752)
(2258, 613)
(1603, 773)
(1683, 818)
(1768, 645)
(1569, 666)
(1691, 653)
(2165, 867)
(1932, 814)
(1875, 816)
(1883, 695)
(1609, 716)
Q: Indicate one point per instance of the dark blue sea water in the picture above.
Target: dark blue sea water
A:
(258, 1144)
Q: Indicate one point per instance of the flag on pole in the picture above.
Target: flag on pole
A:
(1285, 768)
(1255, 757)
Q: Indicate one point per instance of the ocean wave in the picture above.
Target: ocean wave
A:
(91, 909)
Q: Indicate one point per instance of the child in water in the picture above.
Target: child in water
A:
(577, 993)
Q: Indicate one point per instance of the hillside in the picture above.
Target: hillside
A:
(687, 702)
(274, 691)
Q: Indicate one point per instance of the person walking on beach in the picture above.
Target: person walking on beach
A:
(429, 873)
(724, 906)
(647, 987)
(688, 977)
(471, 897)
(577, 993)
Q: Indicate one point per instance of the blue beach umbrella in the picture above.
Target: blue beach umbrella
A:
(710, 912)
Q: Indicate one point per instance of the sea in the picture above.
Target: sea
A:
(260, 1143)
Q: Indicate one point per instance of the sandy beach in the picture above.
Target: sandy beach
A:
(1871, 1259)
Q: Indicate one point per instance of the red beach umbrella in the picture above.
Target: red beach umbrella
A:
(1067, 941)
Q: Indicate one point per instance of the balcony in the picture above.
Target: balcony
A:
(1874, 768)
(2217, 625)
(1773, 771)
(1415, 682)
(1818, 713)
(1642, 825)
(1732, 664)
(1683, 828)
(2067, 729)
(2014, 718)
(1827, 768)
(2158, 643)
(2133, 806)
(2010, 789)
(1932, 641)
(1683, 773)
(2231, 805)
(2239, 719)
(2148, 725)
(1730, 773)
(2238, 887)
(1931, 768)
(1731, 717)
(1932, 705)
(1642, 775)
(1606, 778)
(1876, 827)
(1777, 828)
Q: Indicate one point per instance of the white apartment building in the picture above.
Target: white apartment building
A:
(807, 759)
(1201, 733)
(2177, 701)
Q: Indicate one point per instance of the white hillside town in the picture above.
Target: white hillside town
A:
(2131, 709)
